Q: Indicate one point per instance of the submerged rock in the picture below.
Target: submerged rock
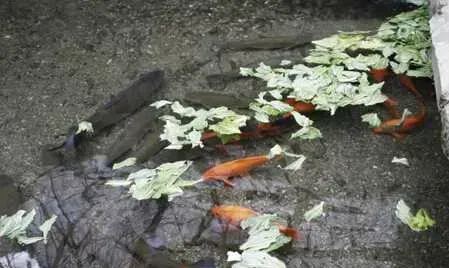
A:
(98, 225)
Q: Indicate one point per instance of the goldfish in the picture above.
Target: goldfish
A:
(379, 75)
(239, 167)
(398, 127)
(300, 106)
(391, 106)
(234, 215)
(408, 84)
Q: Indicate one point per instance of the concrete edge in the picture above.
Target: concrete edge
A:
(439, 28)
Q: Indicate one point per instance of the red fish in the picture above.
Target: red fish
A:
(408, 84)
(379, 75)
(235, 215)
(239, 167)
(392, 109)
(300, 106)
(398, 129)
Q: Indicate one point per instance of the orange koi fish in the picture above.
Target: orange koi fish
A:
(398, 129)
(239, 167)
(235, 215)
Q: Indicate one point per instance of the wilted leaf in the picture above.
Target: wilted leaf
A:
(275, 151)
(263, 233)
(420, 222)
(402, 161)
(372, 119)
(297, 164)
(125, 163)
(315, 212)
(233, 256)
(84, 126)
(15, 226)
(307, 133)
(258, 259)
(46, 226)
(160, 104)
(153, 183)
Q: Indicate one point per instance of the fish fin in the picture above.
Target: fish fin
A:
(290, 232)
(227, 183)
(398, 136)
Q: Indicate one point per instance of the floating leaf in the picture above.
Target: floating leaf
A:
(258, 259)
(230, 125)
(131, 161)
(315, 212)
(153, 183)
(307, 133)
(160, 104)
(372, 119)
(46, 226)
(15, 226)
(84, 126)
(233, 256)
(420, 222)
(275, 151)
(402, 161)
(263, 233)
(297, 164)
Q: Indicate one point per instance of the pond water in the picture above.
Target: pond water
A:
(59, 59)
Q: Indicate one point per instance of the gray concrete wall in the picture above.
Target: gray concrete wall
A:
(439, 26)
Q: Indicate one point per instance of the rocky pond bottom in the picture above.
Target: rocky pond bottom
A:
(104, 43)
(350, 170)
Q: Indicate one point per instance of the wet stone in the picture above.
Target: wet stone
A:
(352, 224)
(97, 225)
(184, 220)
(347, 262)
(10, 198)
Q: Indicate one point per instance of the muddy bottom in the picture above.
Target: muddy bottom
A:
(60, 59)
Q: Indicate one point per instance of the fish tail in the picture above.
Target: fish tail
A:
(290, 232)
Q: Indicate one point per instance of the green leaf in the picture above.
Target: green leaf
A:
(160, 104)
(263, 233)
(15, 226)
(302, 120)
(420, 222)
(258, 259)
(153, 183)
(230, 125)
(297, 164)
(85, 126)
(246, 71)
(46, 226)
(118, 183)
(315, 212)
(307, 133)
(131, 161)
(372, 119)
(24, 240)
(229, 138)
(275, 151)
